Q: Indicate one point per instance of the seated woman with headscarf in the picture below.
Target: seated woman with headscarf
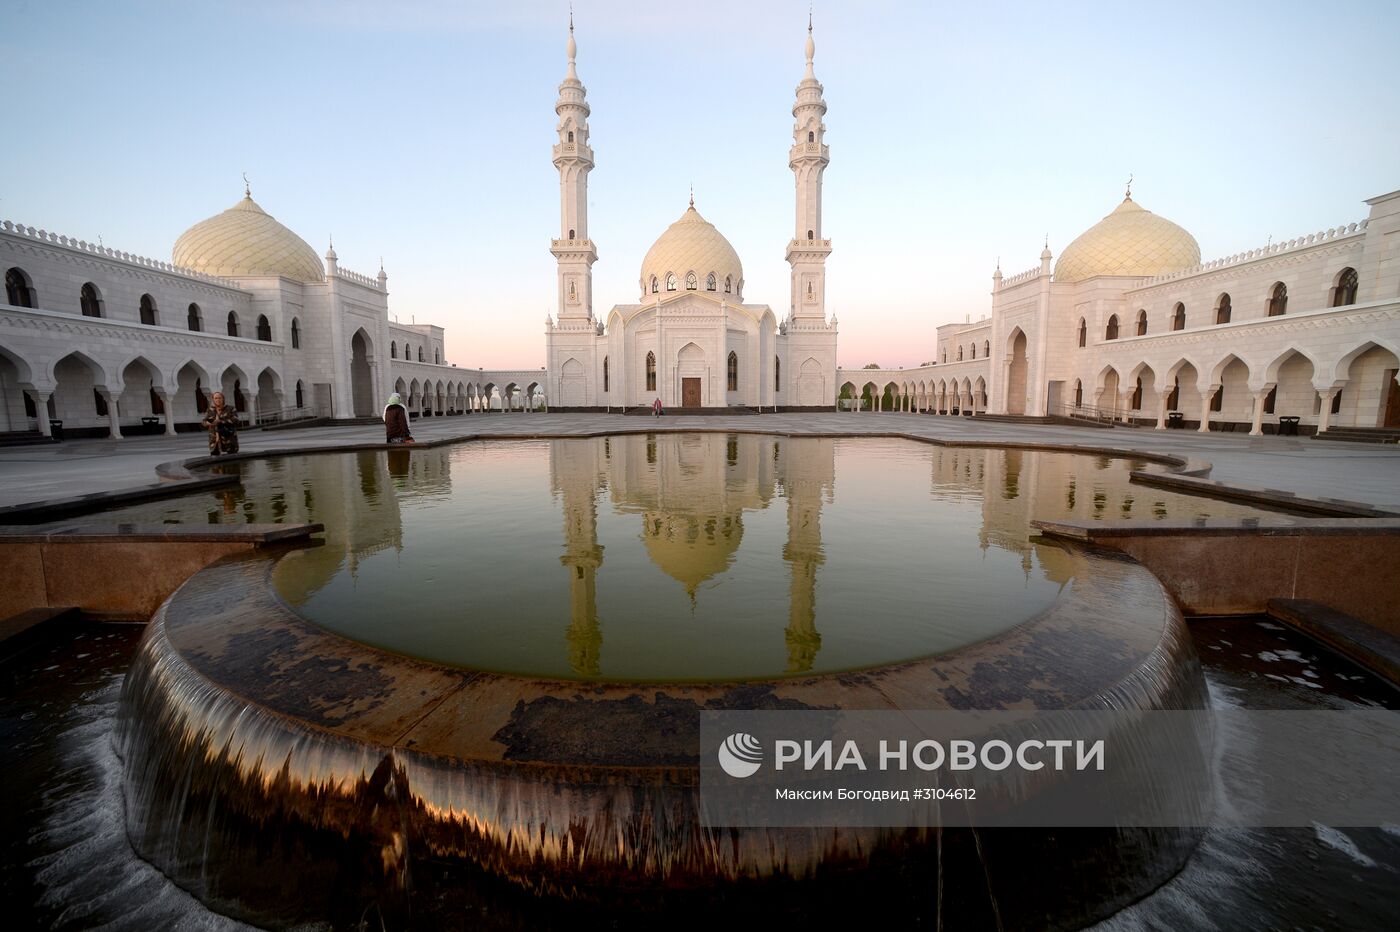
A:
(396, 421)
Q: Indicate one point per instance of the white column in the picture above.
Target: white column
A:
(1256, 429)
(41, 410)
(1161, 409)
(113, 418)
(167, 403)
(1324, 414)
(1206, 394)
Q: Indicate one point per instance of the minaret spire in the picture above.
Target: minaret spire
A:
(573, 158)
(808, 159)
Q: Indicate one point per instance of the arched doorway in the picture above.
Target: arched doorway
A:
(361, 385)
(1016, 375)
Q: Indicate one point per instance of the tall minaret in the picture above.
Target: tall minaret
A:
(808, 158)
(572, 156)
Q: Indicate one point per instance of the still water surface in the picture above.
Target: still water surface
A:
(678, 556)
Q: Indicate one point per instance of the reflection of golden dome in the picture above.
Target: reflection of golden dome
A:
(692, 244)
(692, 548)
(1129, 241)
(246, 241)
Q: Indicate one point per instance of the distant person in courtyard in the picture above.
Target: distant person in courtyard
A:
(222, 423)
(396, 421)
(656, 407)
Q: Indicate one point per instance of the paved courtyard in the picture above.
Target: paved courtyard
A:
(1311, 468)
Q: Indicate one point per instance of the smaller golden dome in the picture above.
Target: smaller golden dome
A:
(692, 244)
(1130, 241)
(246, 242)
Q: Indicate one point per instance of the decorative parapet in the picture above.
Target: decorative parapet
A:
(571, 244)
(77, 245)
(357, 278)
(1293, 245)
(1020, 278)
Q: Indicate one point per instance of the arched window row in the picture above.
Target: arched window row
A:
(692, 282)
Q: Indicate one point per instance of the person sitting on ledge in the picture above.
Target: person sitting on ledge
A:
(396, 421)
(221, 421)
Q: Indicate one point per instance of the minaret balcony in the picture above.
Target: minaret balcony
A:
(811, 248)
(570, 151)
(805, 151)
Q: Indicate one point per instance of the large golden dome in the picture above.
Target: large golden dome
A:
(245, 241)
(692, 244)
(1130, 241)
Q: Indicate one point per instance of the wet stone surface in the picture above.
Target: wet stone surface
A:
(65, 862)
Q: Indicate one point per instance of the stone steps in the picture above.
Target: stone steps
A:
(23, 438)
(1362, 434)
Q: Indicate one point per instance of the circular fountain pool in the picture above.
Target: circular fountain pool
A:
(495, 664)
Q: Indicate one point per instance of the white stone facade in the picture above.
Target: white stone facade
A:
(1307, 328)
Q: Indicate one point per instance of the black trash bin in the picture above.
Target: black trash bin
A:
(56, 428)
(1288, 426)
(1176, 421)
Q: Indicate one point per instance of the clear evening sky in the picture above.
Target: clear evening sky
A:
(959, 133)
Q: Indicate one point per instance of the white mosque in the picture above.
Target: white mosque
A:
(1128, 325)
(690, 339)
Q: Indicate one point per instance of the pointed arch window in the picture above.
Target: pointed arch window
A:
(1111, 331)
(1179, 317)
(301, 398)
(1142, 323)
(437, 355)
(193, 319)
(148, 310)
(264, 329)
(571, 139)
(732, 371)
(812, 137)
(420, 353)
(777, 374)
(1078, 394)
(296, 333)
(655, 285)
(1083, 332)
(393, 349)
(710, 282)
(232, 324)
(691, 281)
(91, 301)
(960, 352)
(670, 281)
(1278, 300)
(19, 289)
(1347, 285)
(651, 372)
(986, 348)
(605, 374)
(1222, 309)
(973, 348)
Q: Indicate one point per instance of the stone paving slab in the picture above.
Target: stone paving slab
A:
(1366, 473)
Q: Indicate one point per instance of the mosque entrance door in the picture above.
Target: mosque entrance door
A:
(690, 393)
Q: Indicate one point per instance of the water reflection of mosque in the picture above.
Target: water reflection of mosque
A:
(690, 492)
(357, 498)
